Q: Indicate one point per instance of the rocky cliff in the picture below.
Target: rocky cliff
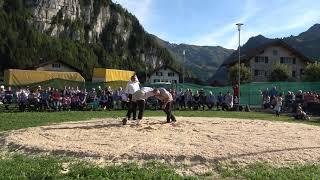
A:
(84, 33)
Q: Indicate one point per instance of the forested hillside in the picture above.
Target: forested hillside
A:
(98, 33)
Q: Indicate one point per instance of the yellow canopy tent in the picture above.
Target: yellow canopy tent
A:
(108, 75)
(17, 77)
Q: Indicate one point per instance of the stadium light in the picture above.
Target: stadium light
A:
(239, 29)
(183, 64)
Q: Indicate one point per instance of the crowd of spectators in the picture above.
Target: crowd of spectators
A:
(301, 103)
(70, 98)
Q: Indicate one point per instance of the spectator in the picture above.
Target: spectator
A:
(228, 102)
(236, 91)
(220, 100)
(210, 100)
(196, 100)
(278, 106)
(203, 98)
(8, 96)
(189, 98)
(181, 99)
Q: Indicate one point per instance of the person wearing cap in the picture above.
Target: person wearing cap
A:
(132, 87)
(139, 100)
(166, 101)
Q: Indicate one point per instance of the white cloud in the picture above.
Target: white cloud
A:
(140, 8)
(222, 35)
(285, 18)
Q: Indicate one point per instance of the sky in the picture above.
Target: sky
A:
(212, 22)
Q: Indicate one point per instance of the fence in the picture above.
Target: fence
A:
(251, 93)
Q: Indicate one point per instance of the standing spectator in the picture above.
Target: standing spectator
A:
(132, 87)
(210, 100)
(278, 106)
(236, 91)
(166, 103)
(273, 94)
(109, 93)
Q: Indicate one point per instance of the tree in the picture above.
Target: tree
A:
(245, 73)
(312, 72)
(280, 72)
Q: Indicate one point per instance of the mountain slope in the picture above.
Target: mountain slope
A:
(202, 61)
(308, 43)
(82, 33)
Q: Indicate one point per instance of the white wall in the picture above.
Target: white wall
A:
(274, 59)
(164, 77)
(49, 67)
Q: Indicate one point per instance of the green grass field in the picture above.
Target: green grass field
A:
(15, 165)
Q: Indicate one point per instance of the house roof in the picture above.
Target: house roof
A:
(57, 61)
(246, 56)
(164, 67)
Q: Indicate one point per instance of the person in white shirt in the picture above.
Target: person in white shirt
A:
(132, 87)
(139, 100)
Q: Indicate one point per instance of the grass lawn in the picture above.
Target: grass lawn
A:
(17, 166)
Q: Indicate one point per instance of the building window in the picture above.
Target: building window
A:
(301, 71)
(171, 74)
(261, 59)
(293, 73)
(275, 52)
(287, 60)
(159, 74)
(259, 73)
(56, 65)
(156, 80)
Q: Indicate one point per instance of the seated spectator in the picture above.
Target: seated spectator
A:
(220, 100)
(266, 103)
(196, 101)
(66, 102)
(300, 114)
(45, 97)
(56, 100)
(124, 100)
(181, 99)
(22, 100)
(228, 102)
(203, 99)
(8, 96)
(210, 100)
(189, 98)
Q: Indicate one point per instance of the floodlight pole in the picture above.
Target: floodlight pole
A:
(239, 29)
(183, 64)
